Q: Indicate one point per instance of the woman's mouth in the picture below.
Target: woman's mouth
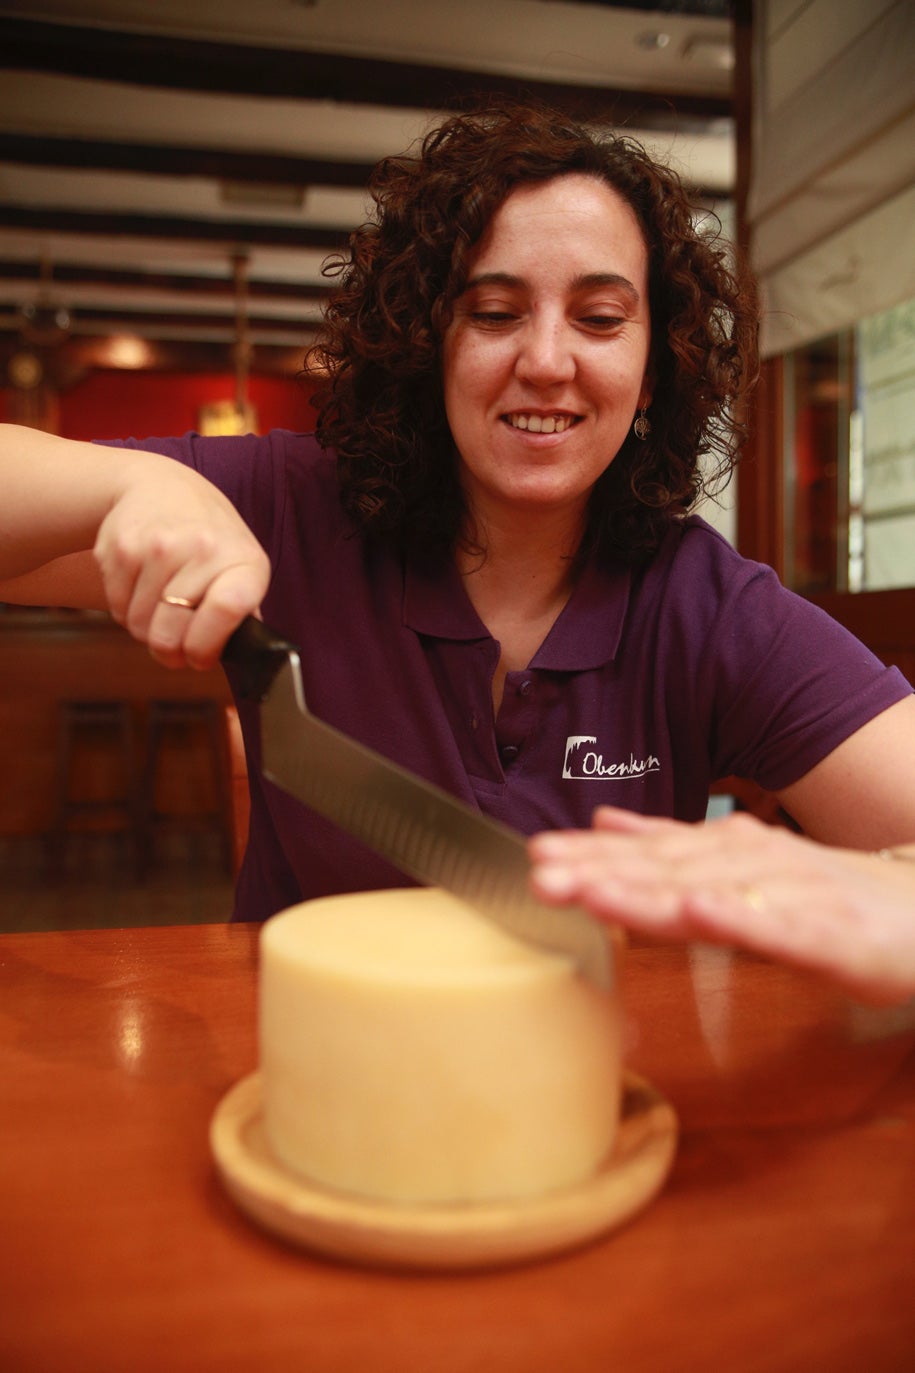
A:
(540, 424)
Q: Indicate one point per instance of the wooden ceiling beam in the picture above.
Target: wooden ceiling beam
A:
(221, 164)
(173, 283)
(110, 223)
(113, 319)
(292, 73)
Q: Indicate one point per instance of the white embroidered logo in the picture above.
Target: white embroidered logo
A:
(584, 764)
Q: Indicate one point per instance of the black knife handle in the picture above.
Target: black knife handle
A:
(257, 653)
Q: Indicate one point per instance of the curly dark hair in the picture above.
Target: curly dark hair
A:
(378, 358)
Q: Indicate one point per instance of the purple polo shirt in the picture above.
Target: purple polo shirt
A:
(650, 686)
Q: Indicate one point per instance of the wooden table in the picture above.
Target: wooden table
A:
(784, 1239)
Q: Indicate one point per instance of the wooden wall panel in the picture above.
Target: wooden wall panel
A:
(48, 657)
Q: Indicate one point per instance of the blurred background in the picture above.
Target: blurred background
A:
(173, 176)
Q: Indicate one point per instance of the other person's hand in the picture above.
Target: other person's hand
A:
(846, 914)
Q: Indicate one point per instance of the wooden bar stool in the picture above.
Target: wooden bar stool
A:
(186, 780)
(96, 785)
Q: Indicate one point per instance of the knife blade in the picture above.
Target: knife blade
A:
(419, 828)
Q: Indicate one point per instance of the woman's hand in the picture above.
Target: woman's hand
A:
(119, 529)
(839, 912)
(172, 534)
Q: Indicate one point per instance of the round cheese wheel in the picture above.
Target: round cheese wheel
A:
(413, 1052)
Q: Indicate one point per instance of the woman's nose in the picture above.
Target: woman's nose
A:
(545, 353)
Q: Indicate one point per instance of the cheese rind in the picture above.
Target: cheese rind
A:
(412, 1052)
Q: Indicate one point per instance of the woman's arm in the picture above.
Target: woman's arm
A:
(848, 915)
(115, 528)
(55, 495)
(862, 795)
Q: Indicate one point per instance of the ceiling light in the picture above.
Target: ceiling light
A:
(710, 52)
(653, 40)
(128, 351)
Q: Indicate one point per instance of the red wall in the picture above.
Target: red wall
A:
(120, 405)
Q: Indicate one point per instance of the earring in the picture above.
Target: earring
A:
(642, 426)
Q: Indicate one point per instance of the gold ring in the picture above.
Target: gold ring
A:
(181, 601)
(754, 898)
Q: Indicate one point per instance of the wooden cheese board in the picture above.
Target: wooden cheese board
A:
(450, 1237)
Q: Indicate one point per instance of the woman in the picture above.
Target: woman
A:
(485, 554)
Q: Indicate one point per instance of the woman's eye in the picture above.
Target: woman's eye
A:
(602, 321)
(492, 316)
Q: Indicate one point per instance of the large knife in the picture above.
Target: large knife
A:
(420, 829)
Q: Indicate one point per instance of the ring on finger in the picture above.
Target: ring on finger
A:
(182, 601)
(753, 897)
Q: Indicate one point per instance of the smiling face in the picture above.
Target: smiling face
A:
(545, 359)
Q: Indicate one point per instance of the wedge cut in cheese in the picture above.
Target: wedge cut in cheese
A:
(412, 1052)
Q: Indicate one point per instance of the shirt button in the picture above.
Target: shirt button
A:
(509, 753)
(525, 687)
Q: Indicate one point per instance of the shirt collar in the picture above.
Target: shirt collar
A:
(586, 635)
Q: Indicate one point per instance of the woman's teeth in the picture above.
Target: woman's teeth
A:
(542, 424)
